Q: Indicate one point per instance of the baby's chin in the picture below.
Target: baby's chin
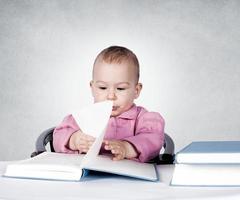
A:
(118, 110)
(115, 113)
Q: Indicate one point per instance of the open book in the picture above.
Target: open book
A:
(72, 167)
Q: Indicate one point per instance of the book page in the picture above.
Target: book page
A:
(124, 167)
(47, 165)
(94, 150)
(93, 119)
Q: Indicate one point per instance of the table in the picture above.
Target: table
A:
(102, 186)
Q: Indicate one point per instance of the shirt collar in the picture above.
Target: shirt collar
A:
(129, 114)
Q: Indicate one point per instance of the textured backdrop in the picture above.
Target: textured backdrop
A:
(189, 53)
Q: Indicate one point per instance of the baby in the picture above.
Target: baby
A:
(132, 131)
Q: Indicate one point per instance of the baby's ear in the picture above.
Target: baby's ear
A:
(91, 83)
(91, 86)
(138, 90)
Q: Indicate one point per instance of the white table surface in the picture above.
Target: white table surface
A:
(110, 187)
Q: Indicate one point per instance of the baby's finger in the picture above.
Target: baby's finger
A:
(85, 150)
(118, 157)
(89, 143)
(81, 144)
(84, 142)
(107, 147)
(110, 147)
(115, 151)
(106, 142)
(87, 137)
(90, 138)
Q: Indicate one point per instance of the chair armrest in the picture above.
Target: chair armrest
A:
(168, 145)
(168, 156)
(44, 138)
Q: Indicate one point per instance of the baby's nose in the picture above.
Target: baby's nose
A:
(111, 95)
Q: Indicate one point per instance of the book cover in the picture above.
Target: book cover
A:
(210, 152)
(206, 175)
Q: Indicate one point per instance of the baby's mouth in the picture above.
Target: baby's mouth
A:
(114, 108)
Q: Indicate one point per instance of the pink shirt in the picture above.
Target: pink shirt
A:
(143, 129)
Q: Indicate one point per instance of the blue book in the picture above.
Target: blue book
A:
(214, 152)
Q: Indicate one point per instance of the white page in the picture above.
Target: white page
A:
(94, 150)
(47, 165)
(123, 167)
(93, 120)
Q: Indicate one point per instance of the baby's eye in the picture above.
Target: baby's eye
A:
(121, 88)
(102, 88)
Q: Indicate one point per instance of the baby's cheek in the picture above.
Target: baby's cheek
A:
(99, 98)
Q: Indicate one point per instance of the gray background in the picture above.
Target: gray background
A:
(188, 51)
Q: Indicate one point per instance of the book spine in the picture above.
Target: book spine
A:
(85, 172)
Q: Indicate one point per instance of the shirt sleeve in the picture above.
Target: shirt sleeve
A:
(149, 136)
(62, 134)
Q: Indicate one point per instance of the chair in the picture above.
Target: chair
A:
(167, 157)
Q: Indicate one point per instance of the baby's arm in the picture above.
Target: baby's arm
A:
(120, 149)
(149, 136)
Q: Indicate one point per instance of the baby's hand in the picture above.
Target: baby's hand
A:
(120, 149)
(81, 141)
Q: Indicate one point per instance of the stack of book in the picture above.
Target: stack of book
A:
(208, 163)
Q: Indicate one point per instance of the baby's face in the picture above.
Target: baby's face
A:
(116, 82)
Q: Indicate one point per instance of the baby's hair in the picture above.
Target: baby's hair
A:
(118, 54)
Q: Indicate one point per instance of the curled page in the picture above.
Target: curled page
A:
(93, 121)
(93, 118)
